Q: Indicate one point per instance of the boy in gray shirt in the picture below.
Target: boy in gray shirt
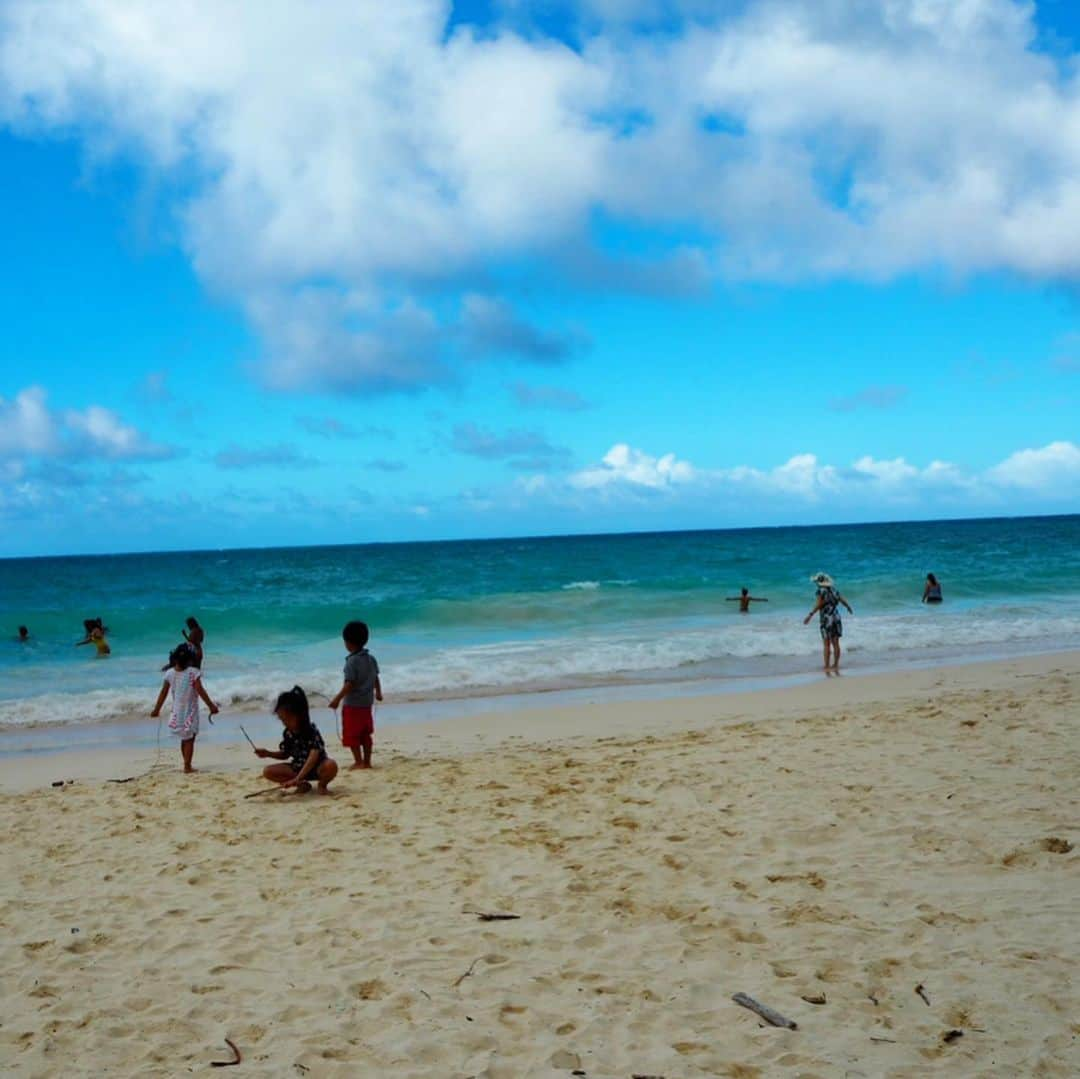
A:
(358, 694)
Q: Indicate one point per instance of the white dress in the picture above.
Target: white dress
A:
(184, 722)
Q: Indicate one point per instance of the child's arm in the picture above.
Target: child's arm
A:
(273, 754)
(308, 768)
(378, 688)
(345, 690)
(846, 604)
(206, 697)
(817, 607)
(160, 697)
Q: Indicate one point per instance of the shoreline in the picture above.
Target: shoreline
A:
(693, 679)
(475, 723)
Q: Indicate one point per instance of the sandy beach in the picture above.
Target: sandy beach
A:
(885, 860)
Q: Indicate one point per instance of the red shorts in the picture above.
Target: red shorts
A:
(356, 724)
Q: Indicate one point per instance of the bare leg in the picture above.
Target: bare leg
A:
(825, 649)
(187, 751)
(365, 746)
(326, 773)
(358, 759)
(836, 654)
(278, 773)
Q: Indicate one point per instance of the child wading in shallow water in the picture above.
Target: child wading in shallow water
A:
(361, 690)
(301, 747)
(185, 681)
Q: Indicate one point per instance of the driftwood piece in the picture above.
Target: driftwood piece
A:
(265, 790)
(468, 973)
(921, 990)
(891, 1041)
(773, 1018)
(495, 916)
(951, 1036)
(818, 998)
(228, 1063)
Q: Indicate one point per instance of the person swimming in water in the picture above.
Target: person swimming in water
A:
(95, 635)
(932, 592)
(195, 635)
(24, 633)
(744, 599)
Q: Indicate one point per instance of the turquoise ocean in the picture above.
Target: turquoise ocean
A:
(518, 616)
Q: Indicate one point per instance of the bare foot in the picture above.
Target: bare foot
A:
(322, 790)
(303, 788)
(189, 771)
(354, 767)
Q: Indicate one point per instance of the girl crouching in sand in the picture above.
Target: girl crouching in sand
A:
(302, 747)
(185, 681)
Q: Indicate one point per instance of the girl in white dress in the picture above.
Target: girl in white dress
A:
(185, 681)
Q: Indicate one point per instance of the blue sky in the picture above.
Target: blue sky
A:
(513, 269)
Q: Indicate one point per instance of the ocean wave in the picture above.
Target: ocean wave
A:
(641, 652)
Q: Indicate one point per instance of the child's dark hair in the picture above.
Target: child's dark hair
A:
(182, 656)
(356, 633)
(294, 701)
(192, 622)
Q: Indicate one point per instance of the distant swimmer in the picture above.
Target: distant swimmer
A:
(24, 633)
(95, 635)
(195, 636)
(745, 599)
(932, 592)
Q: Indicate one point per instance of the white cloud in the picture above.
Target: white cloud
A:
(1052, 469)
(623, 465)
(103, 432)
(29, 428)
(799, 140)
(803, 480)
(26, 424)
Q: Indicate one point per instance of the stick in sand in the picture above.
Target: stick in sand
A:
(265, 790)
(773, 1018)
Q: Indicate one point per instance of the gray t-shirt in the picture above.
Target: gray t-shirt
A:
(361, 670)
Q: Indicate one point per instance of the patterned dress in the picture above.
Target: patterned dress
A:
(832, 628)
(184, 722)
(298, 744)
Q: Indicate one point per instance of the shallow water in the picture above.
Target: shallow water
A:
(514, 616)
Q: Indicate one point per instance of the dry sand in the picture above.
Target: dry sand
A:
(850, 840)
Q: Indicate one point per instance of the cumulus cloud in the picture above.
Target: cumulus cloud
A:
(625, 466)
(553, 397)
(871, 397)
(794, 139)
(282, 455)
(1055, 467)
(1052, 472)
(30, 428)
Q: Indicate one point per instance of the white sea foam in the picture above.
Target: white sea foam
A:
(642, 652)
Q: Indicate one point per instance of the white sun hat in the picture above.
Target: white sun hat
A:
(822, 580)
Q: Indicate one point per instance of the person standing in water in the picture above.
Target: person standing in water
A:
(932, 592)
(195, 636)
(95, 635)
(744, 599)
(827, 606)
(24, 633)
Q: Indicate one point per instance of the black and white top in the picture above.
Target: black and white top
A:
(298, 744)
(829, 615)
